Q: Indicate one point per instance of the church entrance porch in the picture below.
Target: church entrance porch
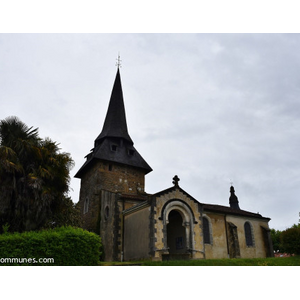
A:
(177, 230)
(176, 237)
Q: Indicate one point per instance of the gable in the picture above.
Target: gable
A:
(178, 195)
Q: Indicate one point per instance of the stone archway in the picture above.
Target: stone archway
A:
(178, 222)
(176, 239)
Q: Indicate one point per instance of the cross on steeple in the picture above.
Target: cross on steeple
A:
(118, 63)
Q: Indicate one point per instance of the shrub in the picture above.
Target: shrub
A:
(63, 246)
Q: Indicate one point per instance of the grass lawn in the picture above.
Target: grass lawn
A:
(271, 261)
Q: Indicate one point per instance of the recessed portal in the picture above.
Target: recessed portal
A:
(176, 238)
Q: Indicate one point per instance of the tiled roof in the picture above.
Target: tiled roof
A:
(232, 211)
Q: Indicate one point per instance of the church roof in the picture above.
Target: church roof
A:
(115, 124)
(233, 211)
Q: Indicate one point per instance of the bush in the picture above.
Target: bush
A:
(63, 246)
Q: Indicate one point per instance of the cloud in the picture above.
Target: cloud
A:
(211, 108)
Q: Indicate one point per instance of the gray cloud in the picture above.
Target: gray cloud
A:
(211, 108)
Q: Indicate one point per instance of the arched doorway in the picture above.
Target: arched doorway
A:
(178, 230)
(176, 233)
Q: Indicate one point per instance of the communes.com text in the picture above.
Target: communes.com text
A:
(15, 260)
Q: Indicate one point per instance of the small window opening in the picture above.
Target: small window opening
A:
(131, 152)
(110, 167)
(113, 147)
(86, 205)
(106, 212)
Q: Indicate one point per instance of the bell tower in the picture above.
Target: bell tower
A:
(113, 165)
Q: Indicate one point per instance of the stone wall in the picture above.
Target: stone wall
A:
(223, 243)
(136, 234)
(258, 249)
(107, 176)
(109, 225)
(218, 246)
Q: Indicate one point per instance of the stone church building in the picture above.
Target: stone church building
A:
(170, 224)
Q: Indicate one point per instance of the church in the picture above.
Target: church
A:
(170, 224)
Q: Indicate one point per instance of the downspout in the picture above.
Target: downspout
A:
(226, 236)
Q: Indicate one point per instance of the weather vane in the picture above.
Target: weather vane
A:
(118, 63)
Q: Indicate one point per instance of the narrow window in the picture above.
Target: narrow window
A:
(106, 212)
(248, 234)
(110, 167)
(86, 205)
(206, 231)
(114, 148)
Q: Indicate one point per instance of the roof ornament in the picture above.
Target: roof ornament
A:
(118, 63)
(233, 199)
(175, 180)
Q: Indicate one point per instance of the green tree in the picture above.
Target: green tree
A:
(34, 177)
(275, 236)
(290, 240)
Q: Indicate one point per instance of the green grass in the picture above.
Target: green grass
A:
(271, 261)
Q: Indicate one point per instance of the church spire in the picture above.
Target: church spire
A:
(233, 199)
(115, 124)
(114, 144)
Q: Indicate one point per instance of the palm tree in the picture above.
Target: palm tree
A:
(34, 176)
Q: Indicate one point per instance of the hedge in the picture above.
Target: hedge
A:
(63, 246)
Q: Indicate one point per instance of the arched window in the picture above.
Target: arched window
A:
(206, 231)
(249, 234)
(86, 205)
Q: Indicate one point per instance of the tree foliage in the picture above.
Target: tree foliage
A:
(288, 240)
(34, 178)
(275, 236)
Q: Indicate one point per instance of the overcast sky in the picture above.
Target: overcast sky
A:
(210, 108)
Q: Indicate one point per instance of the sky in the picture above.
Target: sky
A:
(214, 109)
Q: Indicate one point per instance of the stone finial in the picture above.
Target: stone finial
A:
(175, 180)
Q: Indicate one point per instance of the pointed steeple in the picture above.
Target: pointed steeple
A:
(233, 199)
(115, 124)
(114, 143)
